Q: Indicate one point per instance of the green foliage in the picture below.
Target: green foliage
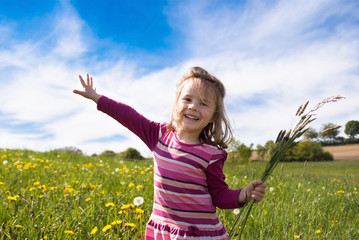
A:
(352, 129)
(108, 154)
(131, 154)
(307, 151)
(58, 192)
(311, 134)
(239, 152)
(270, 146)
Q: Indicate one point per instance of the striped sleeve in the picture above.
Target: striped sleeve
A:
(148, 131)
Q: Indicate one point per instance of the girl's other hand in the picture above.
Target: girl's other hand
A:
(89, 92)
(255, 190)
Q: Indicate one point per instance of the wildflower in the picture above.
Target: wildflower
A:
(107, 227)
(131, 185)
(296, 236)
(36, 183)
(355, 189)
(139, 210)
(93, 231)
(1, 183)
(318, 232)
(139, 187)
(236, 211)
(110, 204)
(271, 189)
(88, 199)
(14, 198)
(116, 222)
(126, 206)
(69, 232)
(340, 192)
(138, 201)
(18, 226)
(323, 188)
(129, 225)
(5, 162)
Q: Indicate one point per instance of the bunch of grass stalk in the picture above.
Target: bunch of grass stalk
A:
(284, 141)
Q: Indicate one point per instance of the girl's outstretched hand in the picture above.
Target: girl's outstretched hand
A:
(89, 92)
(255, 190)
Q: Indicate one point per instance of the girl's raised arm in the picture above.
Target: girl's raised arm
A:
(89, 92)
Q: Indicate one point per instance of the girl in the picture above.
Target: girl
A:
(188, 158)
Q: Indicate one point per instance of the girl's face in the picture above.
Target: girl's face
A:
(195, 109)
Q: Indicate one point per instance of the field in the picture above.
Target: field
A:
(344, 152)
(64, 196)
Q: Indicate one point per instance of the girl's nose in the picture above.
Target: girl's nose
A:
(192, 107)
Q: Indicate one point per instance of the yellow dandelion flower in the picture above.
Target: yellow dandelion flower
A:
(139, 210)
(126, 206)
(120, 212)
(139, 187)
(355, 189)
(88, 199)
(318, 232)
(110, 204)
(14, 198)
(1, 183)
(131, 185)
(32, 189)
(296, 236)
(340, 192)
(36, 183)
(94, 230)
(18, 226)
(116, 222)
(107, 227)
(69, 232)
(129, 225)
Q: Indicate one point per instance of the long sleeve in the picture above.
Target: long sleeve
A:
(222, 196)
(146, 130)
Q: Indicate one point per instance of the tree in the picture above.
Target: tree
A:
(132, 154)
(331, 135)
(108, 154)
(307, 151)
(311, 134)
(239, 151)
(352, 129)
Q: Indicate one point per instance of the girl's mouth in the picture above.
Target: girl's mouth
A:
(191, 117)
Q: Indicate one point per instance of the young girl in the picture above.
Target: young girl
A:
(188, 158)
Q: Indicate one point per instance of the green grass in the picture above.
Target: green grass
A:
(42, 195)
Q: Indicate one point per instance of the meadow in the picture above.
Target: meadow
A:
(56, 195)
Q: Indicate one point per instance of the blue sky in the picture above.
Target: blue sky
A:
(271, 55)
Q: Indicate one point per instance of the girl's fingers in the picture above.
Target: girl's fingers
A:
(88, 79)
(82, 81)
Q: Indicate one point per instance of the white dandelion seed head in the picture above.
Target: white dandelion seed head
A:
(236, 211)
(138, 201)
(245, 177)
(5, 162)
(271, 189)
(309, 190)
(117, 169)
(323, 188)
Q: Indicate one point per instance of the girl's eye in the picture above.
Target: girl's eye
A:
(204, 104)
(187, 99)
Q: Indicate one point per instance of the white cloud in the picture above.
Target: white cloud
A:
(282, 55)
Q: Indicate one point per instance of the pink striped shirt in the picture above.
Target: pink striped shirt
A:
(188, 179)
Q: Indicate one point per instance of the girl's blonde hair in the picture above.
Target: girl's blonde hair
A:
(218, 132)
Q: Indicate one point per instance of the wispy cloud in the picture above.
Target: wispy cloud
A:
(271, 57)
